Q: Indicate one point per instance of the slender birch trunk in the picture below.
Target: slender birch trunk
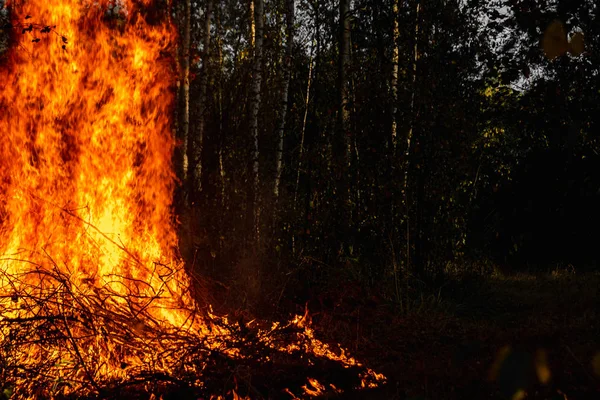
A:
(201, 110)
(342, 142)
(179, 152)
(409, 137)
(344, 63)
(219, 38)
(394, 78)
(221, 142)
(254, 109)
(252, 24)
(303, 132)
(185, 69)
(286, 75)
(354, 161)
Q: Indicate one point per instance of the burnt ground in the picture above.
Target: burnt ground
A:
(475, 338)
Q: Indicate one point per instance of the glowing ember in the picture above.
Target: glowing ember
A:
(90, 289)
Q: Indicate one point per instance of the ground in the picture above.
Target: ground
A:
(476, 338)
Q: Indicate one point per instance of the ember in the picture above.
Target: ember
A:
(93, 300)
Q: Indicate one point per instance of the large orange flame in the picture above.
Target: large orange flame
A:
(85, 163)
(86, 188)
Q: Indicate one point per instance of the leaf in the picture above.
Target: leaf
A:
(27, 16)
(64, 39)
(576, 45)
(554, 41)
(35, 40)
(45, 29)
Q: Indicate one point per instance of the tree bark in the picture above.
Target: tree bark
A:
(179, 152)
(343, 143)
(344, 94)
(252, 24)
(304, 119)
(219, 41)
(394, 77)
(409, 138)
(286, 75)
(198, 143)
(255, 100)
(185, 69)
(221, 142)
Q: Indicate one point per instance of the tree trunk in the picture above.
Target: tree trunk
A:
(252, 24)
(303, 131)
(343, 143)
(255, 100)
(409, 137)
(196, 161)
(344, 93)
(183, 115)
(221, 132)
(392, 146)
(185, 70)
(286, 74)
(394, 78)
(179, 152)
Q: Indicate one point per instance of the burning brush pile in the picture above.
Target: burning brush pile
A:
(63, 340)
(93, 300)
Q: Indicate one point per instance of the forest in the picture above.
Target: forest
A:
(420, 178)
(385, 140)
(413, 156)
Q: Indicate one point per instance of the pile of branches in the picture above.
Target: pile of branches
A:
(63, 340)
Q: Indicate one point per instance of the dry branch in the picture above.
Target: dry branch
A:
(65, 339)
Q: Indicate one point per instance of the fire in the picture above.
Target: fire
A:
(91, 289)
(86, 160)
(86, 180)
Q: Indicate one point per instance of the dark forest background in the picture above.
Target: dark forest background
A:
(385, 142)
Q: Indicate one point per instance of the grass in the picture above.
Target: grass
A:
(446, 345)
